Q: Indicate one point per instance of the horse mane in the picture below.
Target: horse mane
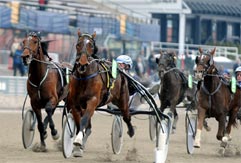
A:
(44, 46)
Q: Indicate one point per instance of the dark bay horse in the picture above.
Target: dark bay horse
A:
(214, 98)
(46, 84)
(173, 83)
(91, 87)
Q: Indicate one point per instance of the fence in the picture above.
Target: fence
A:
(11, 85)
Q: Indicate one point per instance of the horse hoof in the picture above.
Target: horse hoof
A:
(173, 130)
(207, 128)
(56, 136)
(223, 144)
(39, 148)
(45, 135)
(197, 145)
(131, 132)
(77, 151)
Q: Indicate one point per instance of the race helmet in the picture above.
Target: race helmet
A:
(238, 69)
(124, 59)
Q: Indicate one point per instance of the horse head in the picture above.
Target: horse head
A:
(31, 48)
(204, 64)
(85, 48)
(165, 62)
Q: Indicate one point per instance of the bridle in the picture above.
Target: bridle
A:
(167, 67)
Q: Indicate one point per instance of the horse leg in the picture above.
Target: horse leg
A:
(77, 151)
(221, 130)
(123, 105)
(42, 132)
(127, 119)
(201, 116)
(205, 125)
(84, 123)
(50, 108)
(221, 126)
(174, 126)
(86, 134)
(231, 121)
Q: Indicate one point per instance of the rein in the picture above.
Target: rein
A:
(210, 94)
(45, 75)
(169, 70)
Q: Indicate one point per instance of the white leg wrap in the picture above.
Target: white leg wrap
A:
(197, 142)
(78, 139)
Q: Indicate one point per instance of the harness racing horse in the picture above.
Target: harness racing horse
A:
(46, 84)
(90, 87)
(173, 83)
(214, 98)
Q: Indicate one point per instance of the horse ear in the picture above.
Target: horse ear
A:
(211, 62)
(200, 50)
(213, 51)
(94, 35)
(157, 60)
(79, 33)
(196, 60)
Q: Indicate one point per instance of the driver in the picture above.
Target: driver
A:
(238, 79)
(125, 63)
(238, 75)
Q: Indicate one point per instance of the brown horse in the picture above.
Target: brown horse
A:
(46, 84)
(90, 87)
(214, 98)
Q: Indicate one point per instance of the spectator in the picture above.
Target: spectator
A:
(111, 56)
(140, 67)
(42, 4)
(104, 54)
(17, 61)
(152, 63)
(226, 75)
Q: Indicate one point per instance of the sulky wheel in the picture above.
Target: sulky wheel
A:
(28, 128)
(152, 127)
(68, 135)
(163, 135)
(190, 125)
(117, 135)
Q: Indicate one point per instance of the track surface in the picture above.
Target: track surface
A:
(98, 148)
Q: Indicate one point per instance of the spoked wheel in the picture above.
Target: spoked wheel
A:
(163, 133)
(28, 128)
(68, 135)
(152, 127)
(117, 135)
(191, 126)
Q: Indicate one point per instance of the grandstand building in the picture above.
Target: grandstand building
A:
(125, 26)
(205, 21)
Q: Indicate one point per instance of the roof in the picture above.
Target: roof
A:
(215, 7)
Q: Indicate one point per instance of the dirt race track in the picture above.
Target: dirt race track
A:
(98, 148)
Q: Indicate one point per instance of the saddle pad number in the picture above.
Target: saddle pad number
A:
(114, 69)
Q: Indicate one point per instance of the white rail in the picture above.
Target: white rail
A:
(192, 49)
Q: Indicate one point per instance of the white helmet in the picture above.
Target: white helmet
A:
(124, 59)
(238, 69)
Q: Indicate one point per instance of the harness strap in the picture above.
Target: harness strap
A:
(210, 94)
(45, 76)
(166, 71)
(60, 74)
(87, 77)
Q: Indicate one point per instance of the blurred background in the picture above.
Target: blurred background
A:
(139, 28)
